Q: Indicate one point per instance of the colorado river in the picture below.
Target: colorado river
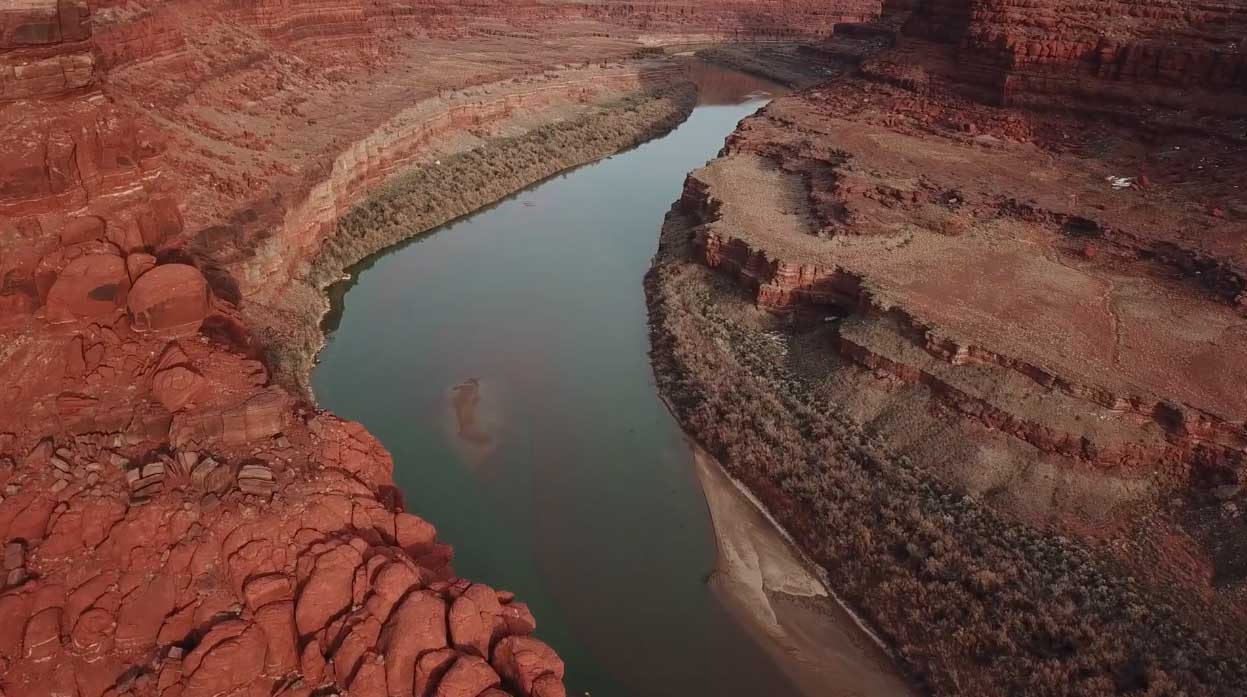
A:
(503, 360)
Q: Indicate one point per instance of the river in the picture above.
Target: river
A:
(503, 360)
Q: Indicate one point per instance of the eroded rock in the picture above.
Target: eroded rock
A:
(169, 298)
(89, 286)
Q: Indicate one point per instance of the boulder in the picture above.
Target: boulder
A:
(277, 622)
(230, 664)
(261, 416)
(415, 534)
(519, 619)
(360, 639)
(327, 592)
(416, 626)
(430, 669)
(523, 660)
(82, 229)
(139, 264)
(88, 287)
(549, 685)
(43, 635)
(469, 632)
(93, 630)
(256, 479)
(468, 677)
(269, 588)
(176, 387)
(14, 555)
(390, 584)
(312, 662)
(169, 298)
(369, 680)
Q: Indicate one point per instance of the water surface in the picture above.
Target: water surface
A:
(502, 359)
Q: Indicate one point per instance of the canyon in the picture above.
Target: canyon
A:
(179, 517)
(967, 317)
(963, 316)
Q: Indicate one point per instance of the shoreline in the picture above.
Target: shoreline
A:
(780, 597)
(783, 600)
(670, 107)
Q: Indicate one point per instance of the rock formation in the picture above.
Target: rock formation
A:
(1112, 52)
(175, 521)
(998, 255)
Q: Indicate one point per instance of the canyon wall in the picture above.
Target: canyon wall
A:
(967, 318)
(1109, 51)
(174, 521)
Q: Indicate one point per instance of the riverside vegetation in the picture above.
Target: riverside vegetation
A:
(426, 197)
(973, 604)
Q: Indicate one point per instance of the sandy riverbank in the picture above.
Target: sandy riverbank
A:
(777, 594)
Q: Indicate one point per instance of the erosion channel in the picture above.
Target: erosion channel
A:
(502, 359)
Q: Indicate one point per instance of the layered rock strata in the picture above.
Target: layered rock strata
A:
(982, 362)
(1116, 52)
(175, 522)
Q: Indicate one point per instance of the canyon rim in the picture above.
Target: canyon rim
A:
(965, 314)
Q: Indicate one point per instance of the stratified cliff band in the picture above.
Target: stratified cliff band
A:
(176, 522)
(967, 317)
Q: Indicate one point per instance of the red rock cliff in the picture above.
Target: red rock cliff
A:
(174, 523)
(1107, 50)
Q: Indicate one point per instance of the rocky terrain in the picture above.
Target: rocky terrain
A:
(1027, 479)
(968, 318)
(177, 517)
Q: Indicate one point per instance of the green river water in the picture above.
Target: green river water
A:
(578, 492)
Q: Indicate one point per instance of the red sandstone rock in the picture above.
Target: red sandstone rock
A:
(429, 670)
(549, 685)
(519, 619)
(417, 625)
(281, 654)
(139, 264)
(143, 611)
(169, 298)
(14, 611)
(176, 386)
(327, 591)
(82, 229)
(270, 588)
(99, 161)
(468, 632)
(391, 582)
(312, 662)
(468, 677)
(522, 661)
(413, 533)
(260, 416)
(369, 679)
(230, 663)
(42, 640)
(89, 286)
(361, 637)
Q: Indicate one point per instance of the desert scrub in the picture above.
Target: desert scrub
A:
(973, 604)
(428, 196)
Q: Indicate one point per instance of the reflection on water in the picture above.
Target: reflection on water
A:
(719, 87)
(503, 360)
